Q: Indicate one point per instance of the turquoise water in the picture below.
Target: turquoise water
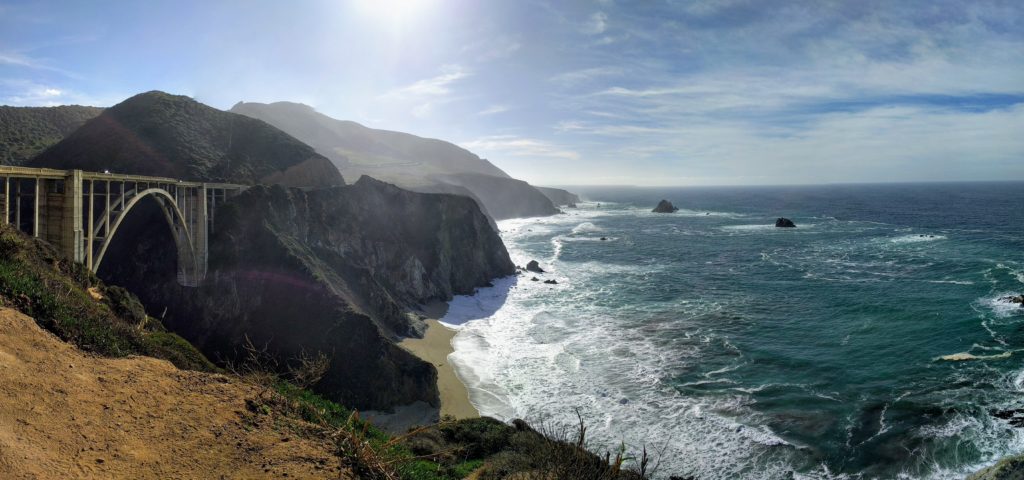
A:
(746, 351)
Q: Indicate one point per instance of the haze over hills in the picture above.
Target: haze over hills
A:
(26, 131)
(409, 161)
(155, 133)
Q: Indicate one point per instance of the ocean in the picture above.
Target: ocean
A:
(741, 350)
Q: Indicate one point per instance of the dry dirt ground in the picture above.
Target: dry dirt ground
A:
(67, 414)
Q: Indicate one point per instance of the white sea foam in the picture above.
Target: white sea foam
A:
(767, 227)
(916, 238)
(1001, 307)
(534, 351)
(519, 358)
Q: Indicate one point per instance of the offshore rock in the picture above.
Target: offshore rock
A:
(1018, 299)
(665, 206)
(783, 222)
(533, 266)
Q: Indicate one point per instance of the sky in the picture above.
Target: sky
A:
(602, 92)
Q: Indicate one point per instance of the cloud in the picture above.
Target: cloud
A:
(514, 146)
(596, 24)
(493, 110)
(16, 59)
(439, 85)
(27, 93)
(585, 75)
(421, 97)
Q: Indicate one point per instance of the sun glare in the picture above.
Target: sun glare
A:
(395, 13)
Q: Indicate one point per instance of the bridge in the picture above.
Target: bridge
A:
(80, 212)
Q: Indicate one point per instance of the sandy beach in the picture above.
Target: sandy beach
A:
(434, 347)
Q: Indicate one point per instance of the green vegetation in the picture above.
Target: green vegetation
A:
(450, 450)
(68, 300)
(155, 133)
(26, 131)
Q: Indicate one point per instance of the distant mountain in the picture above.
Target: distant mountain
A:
(416, 163)
(26, 131)
(559, 197)
(159, 134)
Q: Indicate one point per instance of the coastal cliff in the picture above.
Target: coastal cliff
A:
(559, 197)
(333, 271)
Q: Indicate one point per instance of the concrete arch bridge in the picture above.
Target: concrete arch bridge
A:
(80, 212)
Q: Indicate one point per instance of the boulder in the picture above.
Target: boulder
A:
(550, 282)
(665, 206)
(784, 222)
(1018, 299)
(534, 279)
(604, 239)
(533, 266)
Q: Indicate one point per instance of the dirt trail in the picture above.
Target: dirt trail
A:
(67, 414)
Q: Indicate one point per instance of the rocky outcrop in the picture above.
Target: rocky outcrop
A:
(560, 197)
(1008, 468)
(783, 222)
(334, 271)
(165, 135)
(533, 266)
(1018, 299)
(665, 206)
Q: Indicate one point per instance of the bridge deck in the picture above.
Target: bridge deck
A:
(54, 174)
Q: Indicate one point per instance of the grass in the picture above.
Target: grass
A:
(36, 280)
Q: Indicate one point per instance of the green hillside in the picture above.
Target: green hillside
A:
(26, 131)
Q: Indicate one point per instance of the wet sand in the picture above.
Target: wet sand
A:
(434, 347)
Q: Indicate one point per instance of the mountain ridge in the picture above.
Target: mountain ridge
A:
(409, 161)
(159, 134)
(26, 131)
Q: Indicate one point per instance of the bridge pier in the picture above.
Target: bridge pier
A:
(72, 242)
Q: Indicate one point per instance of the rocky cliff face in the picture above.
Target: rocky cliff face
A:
(332, 271)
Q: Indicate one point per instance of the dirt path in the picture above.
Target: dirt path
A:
(66, 414)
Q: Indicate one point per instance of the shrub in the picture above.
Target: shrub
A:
(38, 281)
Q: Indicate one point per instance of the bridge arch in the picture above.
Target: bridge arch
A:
(79, 212)
(188, 258)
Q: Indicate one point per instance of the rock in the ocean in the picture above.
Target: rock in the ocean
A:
(1018, 299)
(533, 266)
(550, 282)
(783, 222)
(665, 206)
(534, 279)
(604, 239)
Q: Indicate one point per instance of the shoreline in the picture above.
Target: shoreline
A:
(434, 347)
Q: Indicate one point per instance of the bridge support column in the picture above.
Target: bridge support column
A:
(6, 200)
(71, 232)
(35, 207)
(201, 233)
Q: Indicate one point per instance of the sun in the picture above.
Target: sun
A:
(393, 12)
